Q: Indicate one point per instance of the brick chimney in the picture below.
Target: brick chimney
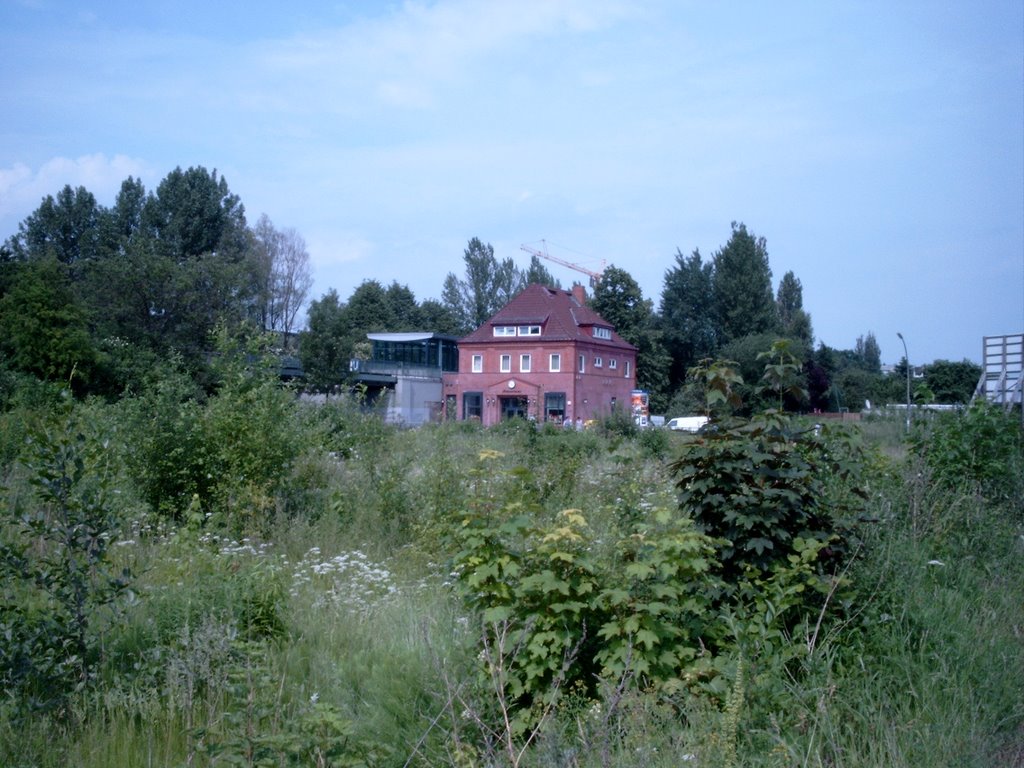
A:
(579, 293)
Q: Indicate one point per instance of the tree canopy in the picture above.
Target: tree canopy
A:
(619, 300)
(488, 285)
(688, 316)
(156, 272)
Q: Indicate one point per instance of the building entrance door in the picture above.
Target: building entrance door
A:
(511, 407)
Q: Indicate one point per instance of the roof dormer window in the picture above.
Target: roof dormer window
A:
(602, 333)
(517, 330)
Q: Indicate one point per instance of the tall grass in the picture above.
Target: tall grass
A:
(329, 635)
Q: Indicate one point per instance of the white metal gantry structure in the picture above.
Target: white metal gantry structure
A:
(1001, 372)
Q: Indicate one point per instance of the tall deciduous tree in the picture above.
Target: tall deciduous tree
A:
(952, 382)
(42, 325)
(324, 345)
(283, 276)
(743, 286)
(794, 322)
(124, 220)
(193, 213)
(538, 273)
(194, 264)
(489, 285)
(439, 318)
(402, 311)
(868, 353)
(66, 227)
(689, 320)
(618, 299)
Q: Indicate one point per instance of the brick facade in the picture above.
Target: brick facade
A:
(544, 356)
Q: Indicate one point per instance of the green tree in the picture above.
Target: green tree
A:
(618, 299)
(66, 227)
(193, 267)
(402, 310)
(868, 353)
(689, 322)
(794, 322)
(489, 285)
(538, 273)
(193, 213)
(743, 286)
(43, 327)
(439, 318)
(748, 353)
(854, 387)
(952, 382)
(123, 222)
(322, 345)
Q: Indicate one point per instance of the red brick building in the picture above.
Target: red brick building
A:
(544, 356)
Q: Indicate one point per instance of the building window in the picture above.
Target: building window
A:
(506, 363)
(555, 363)
(524, 363)
(478, 363)
(598, 362)
(583, 364)
(613, 363)
(472, 405)
(627, 369)
(517, 330)
(554, 406)
(602, 333)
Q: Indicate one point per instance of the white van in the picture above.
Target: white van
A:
(687, 423)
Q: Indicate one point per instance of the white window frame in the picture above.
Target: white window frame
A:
(505, 365)
(583, 364)
(627, 369)
(555, 362)
(602, 333)
(478, 364)
(598, 362)
(504, 330)
(528, 330)
(525, 363)
(613, 363)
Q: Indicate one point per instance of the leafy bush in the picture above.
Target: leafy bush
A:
(558, 615)
(981, 448)
(56, 568)
(252, 437)
(229, 454)
(169, 458)
(758, 486)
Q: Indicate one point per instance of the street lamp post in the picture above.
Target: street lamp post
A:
(906, 357)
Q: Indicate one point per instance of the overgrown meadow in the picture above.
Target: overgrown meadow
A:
(240, 577)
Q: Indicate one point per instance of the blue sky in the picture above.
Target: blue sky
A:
(877, 146)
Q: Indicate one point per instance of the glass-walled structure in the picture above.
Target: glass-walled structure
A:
(420, 350)
(403, 374)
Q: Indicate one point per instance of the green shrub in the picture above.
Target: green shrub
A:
(981, 448)
(168, 456)
(558, 616)
(56, 566)
(758, 486)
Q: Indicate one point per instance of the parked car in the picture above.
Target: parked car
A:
(687, 423)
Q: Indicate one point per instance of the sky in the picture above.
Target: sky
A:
(878, 147)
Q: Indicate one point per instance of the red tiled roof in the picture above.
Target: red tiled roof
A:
(560, 313)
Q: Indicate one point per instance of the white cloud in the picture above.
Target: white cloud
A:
(22, 189)
(401, 59)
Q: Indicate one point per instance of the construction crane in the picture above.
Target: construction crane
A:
(595, 277)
